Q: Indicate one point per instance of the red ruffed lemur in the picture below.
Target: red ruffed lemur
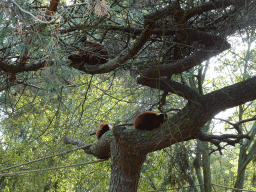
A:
(103, 128)
(91, 53)
(149, 120)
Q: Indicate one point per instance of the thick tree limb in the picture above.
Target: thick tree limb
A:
(221, 99)
(187, 63)
(172, 87)
(124, 56)
(231, 96)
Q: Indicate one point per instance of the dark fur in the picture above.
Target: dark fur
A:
(92, 54)
(149, 120)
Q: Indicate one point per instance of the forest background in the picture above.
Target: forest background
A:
(190, 58)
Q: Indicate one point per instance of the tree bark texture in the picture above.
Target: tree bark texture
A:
(125, 166)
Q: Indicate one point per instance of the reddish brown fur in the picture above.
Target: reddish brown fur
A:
(101, 130)
(140, 117)
(95, 48)
(149, 120)
(95, 53)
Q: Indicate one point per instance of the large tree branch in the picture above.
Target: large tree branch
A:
(231, 96)
(184, 125)
(221, 99)
(122, 58)
(172, 87)
(187, 63)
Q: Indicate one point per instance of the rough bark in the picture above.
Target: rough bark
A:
(125, 166)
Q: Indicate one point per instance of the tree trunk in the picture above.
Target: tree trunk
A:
(125, 167)
(242, 158)
(241, 169)
(206, 167)
(197, 165)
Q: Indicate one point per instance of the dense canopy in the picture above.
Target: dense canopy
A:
(68, 66)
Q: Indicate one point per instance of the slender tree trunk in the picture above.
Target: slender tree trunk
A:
(197, 165)
(240, 177)
(206, 167)
(242, 158)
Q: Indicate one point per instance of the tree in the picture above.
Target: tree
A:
(161, 44)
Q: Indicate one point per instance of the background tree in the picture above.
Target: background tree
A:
(157, 53)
